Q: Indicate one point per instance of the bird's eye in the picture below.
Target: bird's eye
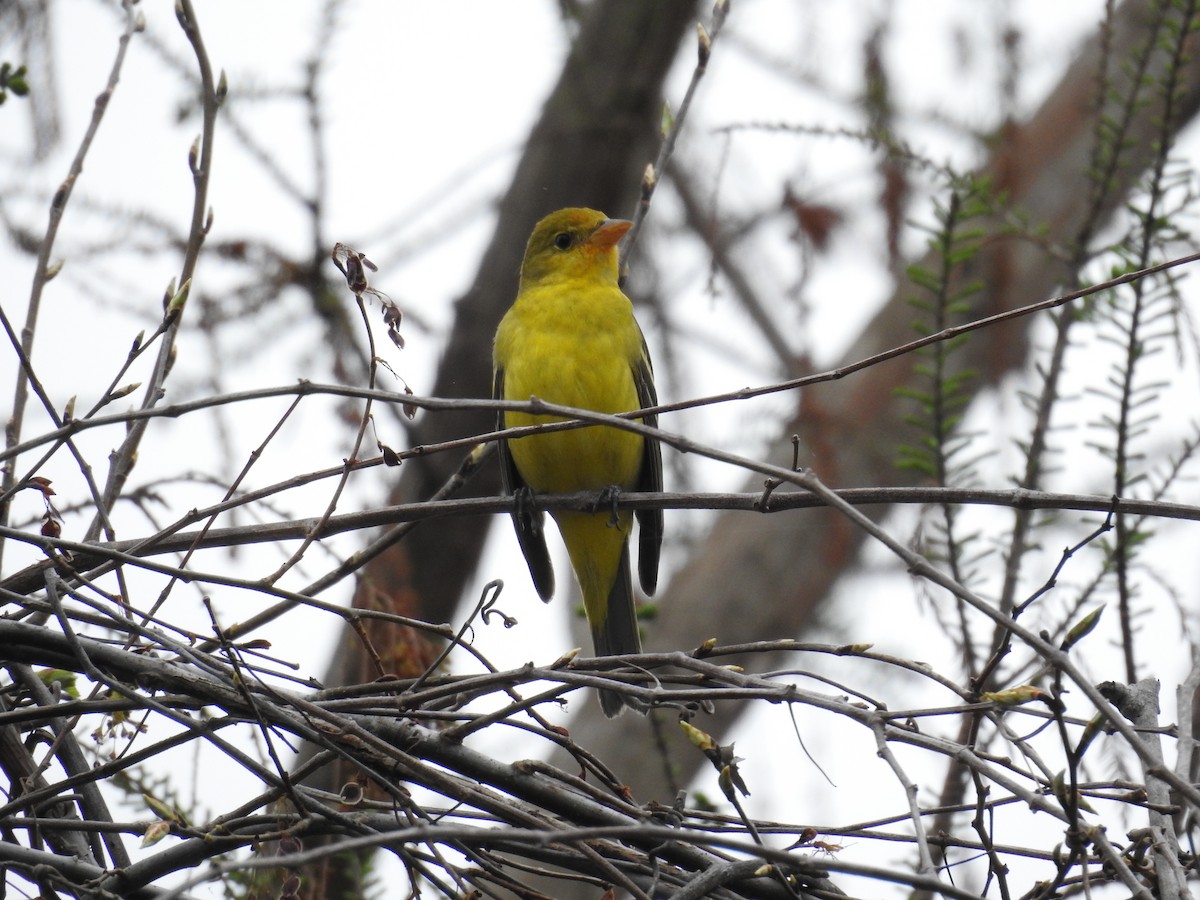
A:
(563, 240)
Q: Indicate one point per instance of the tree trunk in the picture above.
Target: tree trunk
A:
(765, 577)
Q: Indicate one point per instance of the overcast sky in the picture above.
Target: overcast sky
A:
(430, 105)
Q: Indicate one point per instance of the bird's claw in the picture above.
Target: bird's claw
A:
(523, 501)
(608, 497)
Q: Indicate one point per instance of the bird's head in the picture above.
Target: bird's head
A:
(573, 244)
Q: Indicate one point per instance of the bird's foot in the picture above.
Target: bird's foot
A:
(523, 502)
(608, 497)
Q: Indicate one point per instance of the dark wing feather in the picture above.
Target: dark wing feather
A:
(649, 479)
(527, 521)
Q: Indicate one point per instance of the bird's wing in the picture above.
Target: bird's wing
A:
(527, 521)
(649, 479)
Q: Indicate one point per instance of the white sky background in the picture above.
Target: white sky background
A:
(431, 105)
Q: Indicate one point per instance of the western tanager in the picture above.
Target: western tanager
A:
(571, 338)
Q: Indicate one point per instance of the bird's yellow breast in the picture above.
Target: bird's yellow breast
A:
(575, 348)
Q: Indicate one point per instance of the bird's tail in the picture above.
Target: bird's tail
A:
(617, 633)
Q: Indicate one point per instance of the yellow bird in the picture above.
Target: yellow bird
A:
(571, 338)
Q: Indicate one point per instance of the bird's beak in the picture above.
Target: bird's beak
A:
(608, 232)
